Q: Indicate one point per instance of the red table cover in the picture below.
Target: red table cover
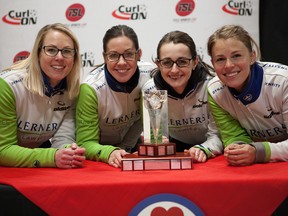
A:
(99, 189)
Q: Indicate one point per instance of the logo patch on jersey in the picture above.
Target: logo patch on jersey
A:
(61, 107)
(201, 103)
(36, 163)
(269, 109)
(248, 97)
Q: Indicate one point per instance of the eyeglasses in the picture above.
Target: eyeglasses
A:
(53, 51)
(114, 56)
(180, 62)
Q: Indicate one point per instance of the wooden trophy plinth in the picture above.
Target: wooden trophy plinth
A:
(135, 162)
(157, 150)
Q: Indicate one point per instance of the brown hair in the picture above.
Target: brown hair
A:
(233, 31)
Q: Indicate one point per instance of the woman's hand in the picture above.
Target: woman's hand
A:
(197, 154)
(72, 157)
(116, 157)
(240, 155)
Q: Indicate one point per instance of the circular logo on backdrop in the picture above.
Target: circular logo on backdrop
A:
(166, 204)
(20, 56)
(75, 12)
(185, 7)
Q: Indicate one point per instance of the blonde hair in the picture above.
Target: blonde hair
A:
(33, 80)
(233, 31)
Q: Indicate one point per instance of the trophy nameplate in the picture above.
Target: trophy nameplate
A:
(179, 161)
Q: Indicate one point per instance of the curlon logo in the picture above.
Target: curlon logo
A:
(27, 17)
(243, 8)
(88, 59)
(21, 56)
(137, 12)
(201, 52)
(75, 12)
(185, 7)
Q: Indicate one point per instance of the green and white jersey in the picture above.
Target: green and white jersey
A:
(189, 118)
(108, 112)
(27, 120)
(258, 115)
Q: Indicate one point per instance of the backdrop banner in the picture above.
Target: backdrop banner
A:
(90, 19)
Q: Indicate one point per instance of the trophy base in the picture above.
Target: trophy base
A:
(157, 150)
(179, 161)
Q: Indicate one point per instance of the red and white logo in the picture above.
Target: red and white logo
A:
(75, 12)
(138, 12)
(244, 8)
(185, 7)
(166, 204)
(27, 17)
(21, 56)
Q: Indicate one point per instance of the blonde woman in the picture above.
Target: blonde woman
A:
(37, 97)
(248, 98)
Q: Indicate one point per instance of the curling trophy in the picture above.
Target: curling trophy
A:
(156, 152)
(155, 123)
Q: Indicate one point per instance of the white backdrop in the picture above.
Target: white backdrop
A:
(89, 20)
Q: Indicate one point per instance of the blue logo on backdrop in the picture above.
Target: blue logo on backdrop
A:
(166, 204)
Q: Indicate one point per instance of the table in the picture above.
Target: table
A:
(211, 188)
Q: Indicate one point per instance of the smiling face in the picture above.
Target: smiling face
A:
(232, 60)
(56, 68)
(122, 70)
(176, 77)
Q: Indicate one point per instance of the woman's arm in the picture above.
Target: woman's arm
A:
(87, 125)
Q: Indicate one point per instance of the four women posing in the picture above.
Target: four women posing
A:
(248, 100)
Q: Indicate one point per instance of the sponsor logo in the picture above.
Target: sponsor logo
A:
(27, 17)
(137, 12)
(36, 163)
(214, 91)
(88, 59)
(166, 204)
(201, 52)
(201, 103)
(248, 97)
(16, 81)
(32, 126)
(276, 85)
(185, 7)
(123, 119)
(75, 12)
(21, 56)
(271, 113)
(62, 106)
(61, 103)
(239, 8)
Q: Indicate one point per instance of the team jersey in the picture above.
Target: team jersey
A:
(189, 118)
(27, 120)
(258, 115)
(108, 112)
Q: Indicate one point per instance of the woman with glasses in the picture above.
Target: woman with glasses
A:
(182, 73)
(108, 123)
(248, 99)
(37, 96)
